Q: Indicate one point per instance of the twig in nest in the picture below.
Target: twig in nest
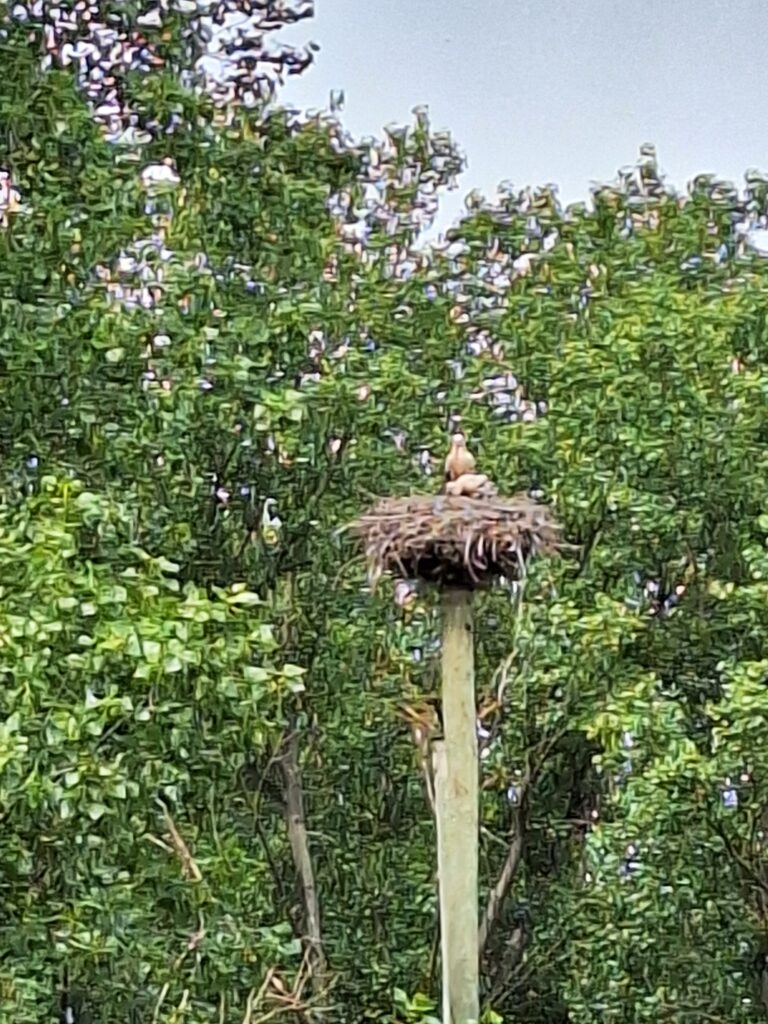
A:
(456, 541)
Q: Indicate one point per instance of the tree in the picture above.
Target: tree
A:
(161, 334)
(210, 366)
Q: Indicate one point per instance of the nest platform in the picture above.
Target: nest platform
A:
(465, 542)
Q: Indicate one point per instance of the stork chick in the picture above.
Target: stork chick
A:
(470, 485)
(460, 459)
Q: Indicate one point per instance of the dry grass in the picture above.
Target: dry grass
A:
(456, 541)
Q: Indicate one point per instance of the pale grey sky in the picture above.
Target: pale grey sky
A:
(562, 91)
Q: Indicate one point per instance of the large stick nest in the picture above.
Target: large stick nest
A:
(456, 541)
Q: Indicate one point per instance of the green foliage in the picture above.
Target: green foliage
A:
(128, 701)
(201, 383)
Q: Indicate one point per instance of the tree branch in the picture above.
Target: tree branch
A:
(297, 834)
(515, 852)
(499, 892)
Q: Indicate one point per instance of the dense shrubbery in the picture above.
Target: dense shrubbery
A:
(202, 380)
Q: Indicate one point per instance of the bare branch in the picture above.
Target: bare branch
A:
(515, 851)
(515, 947)
(297, 834)
(499, 892)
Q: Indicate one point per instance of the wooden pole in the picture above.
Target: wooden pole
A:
(456, 809)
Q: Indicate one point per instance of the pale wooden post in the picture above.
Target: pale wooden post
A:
(455, 763)
(469, 535)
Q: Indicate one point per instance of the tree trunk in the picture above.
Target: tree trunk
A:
(297, 834)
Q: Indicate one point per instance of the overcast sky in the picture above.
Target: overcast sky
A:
(538, 91)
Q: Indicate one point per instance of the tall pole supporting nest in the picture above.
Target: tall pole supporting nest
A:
(455, 763)
(461, 540)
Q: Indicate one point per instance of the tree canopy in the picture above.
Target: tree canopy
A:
(220, 338)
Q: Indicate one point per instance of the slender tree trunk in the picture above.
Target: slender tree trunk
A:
(297, 834)
(499, 892)
(456, 798)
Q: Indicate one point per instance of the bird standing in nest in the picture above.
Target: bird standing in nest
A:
(460, 477)
(460, 459)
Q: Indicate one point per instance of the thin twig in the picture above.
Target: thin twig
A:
(160, 1001)
(297, 834)
(503, 883)
(188, 865)
(516, 846)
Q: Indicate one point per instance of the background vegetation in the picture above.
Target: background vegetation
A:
(210, 365)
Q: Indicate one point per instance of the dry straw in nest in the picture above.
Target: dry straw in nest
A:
(456, 541)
